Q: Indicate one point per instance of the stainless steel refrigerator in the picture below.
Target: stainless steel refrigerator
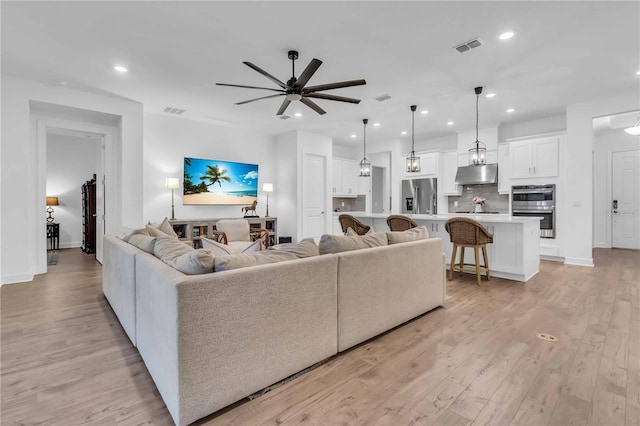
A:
(420, 196)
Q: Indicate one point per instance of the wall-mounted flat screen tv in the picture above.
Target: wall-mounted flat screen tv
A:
(219, 182)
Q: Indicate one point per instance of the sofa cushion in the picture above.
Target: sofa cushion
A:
(340, 243)
(305, 248)
(413, 234)
(183, 257)
(143, 242)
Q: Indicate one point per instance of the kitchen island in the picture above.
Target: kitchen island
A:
(514, 254)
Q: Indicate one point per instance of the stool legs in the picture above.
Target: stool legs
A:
(460, 266)
(453, 261)
(486, 261)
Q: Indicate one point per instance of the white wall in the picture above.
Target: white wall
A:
(167, 140)
(604, 144)
(579, 172)
(22, 235)
(71, 161)
(553, 124)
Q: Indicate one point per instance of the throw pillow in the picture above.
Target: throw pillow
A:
(126, 233)
(143, 242)
(167, 248)
(305, 248)
(163, 230)
(290, 251)
(413, 234)
(340, 243)
(195, 262)
(216, 248)
(351, 232)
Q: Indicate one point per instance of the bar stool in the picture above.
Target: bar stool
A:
(463, 233)
(397, 222)
(347, 221)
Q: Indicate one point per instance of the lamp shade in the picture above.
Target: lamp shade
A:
(52, 201)
(172, 183)
(267, 187)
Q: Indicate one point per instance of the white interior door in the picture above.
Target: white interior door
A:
(625, 204)
(314, 196)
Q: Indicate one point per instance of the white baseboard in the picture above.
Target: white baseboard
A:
(601, 245)
(578, 261)
(16, 278)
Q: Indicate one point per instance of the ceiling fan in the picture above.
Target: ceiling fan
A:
(295, 90)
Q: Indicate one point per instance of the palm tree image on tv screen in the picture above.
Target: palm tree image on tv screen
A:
(219, 182)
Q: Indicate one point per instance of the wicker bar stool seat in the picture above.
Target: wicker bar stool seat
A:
(463, 233)
(398, 222)
(347, 221)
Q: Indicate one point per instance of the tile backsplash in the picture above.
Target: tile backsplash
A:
(357, 204)
(494, 202)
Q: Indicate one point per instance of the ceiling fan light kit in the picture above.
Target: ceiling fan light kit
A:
(478, 150)
(365, 164)
(295, 89)
(413, 161)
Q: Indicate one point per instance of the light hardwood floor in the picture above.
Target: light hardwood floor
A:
(66, 360)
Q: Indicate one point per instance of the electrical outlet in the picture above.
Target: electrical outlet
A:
(343, 204)
(455, 204)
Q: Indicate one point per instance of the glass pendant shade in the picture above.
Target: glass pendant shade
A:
(365, 164)
(413, 161)
(478, 150)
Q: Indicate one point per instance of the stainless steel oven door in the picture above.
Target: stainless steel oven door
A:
(547, 224)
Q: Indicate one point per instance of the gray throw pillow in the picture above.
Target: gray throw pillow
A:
(143, 242)
(413, 234)
(289, 251)
(339, 243)
(195, 262)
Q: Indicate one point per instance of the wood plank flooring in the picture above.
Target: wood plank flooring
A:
(65, 360)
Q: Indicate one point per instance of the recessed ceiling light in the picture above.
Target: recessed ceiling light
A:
(450, 123)
(506, 36)
(638, 73)
(120, 68)
(404, 132)
(510, 110)
(61, 83)
(491, 95)
(424, 111)
(298, 114)
(353, 135)
(376, 124)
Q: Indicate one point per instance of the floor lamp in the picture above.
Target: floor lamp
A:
(172, 183)
(267, 187)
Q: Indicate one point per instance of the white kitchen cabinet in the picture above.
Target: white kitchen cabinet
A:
(504, 169)
(363, 184)
(428, 165)
(448, 175)
(337, 228)
(436, 230)
(534, 157)
(345, 177)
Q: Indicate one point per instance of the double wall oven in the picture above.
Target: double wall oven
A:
(536, 201)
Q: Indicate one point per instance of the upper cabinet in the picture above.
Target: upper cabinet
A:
(428, 165)
(504, 169)
(345, 177)
(534, 157)
(448, 175)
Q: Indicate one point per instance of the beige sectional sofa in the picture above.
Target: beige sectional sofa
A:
(212, 339)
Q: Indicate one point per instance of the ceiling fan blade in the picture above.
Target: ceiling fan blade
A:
(308, 73)
(335, 85)
(283, 107)
(257, 99)
(266, 74)
(249, 87)
(313, 106)
(331, 97)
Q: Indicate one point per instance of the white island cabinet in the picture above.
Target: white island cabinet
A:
(514, 253)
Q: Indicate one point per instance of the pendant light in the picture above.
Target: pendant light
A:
(635, 130)
(365, 165)
(478, 151)
(413, 161)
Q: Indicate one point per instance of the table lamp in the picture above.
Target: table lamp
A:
(172, 183)
(51, 201)
(267, 187)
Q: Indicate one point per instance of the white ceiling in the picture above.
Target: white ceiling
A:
(562, 53)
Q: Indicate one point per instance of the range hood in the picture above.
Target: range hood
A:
(477, 175)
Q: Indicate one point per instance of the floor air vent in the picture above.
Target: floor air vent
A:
(172, 110)
(468, 45)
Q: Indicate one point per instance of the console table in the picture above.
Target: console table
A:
(193, 229)
(53, 235)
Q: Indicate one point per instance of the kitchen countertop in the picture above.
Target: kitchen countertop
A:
(485, 218)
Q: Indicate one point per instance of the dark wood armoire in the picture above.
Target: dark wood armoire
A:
(89, 216)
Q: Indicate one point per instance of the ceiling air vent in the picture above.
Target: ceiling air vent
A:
(284, 117)
(172, 110)
(468, 45)
(383, 98)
